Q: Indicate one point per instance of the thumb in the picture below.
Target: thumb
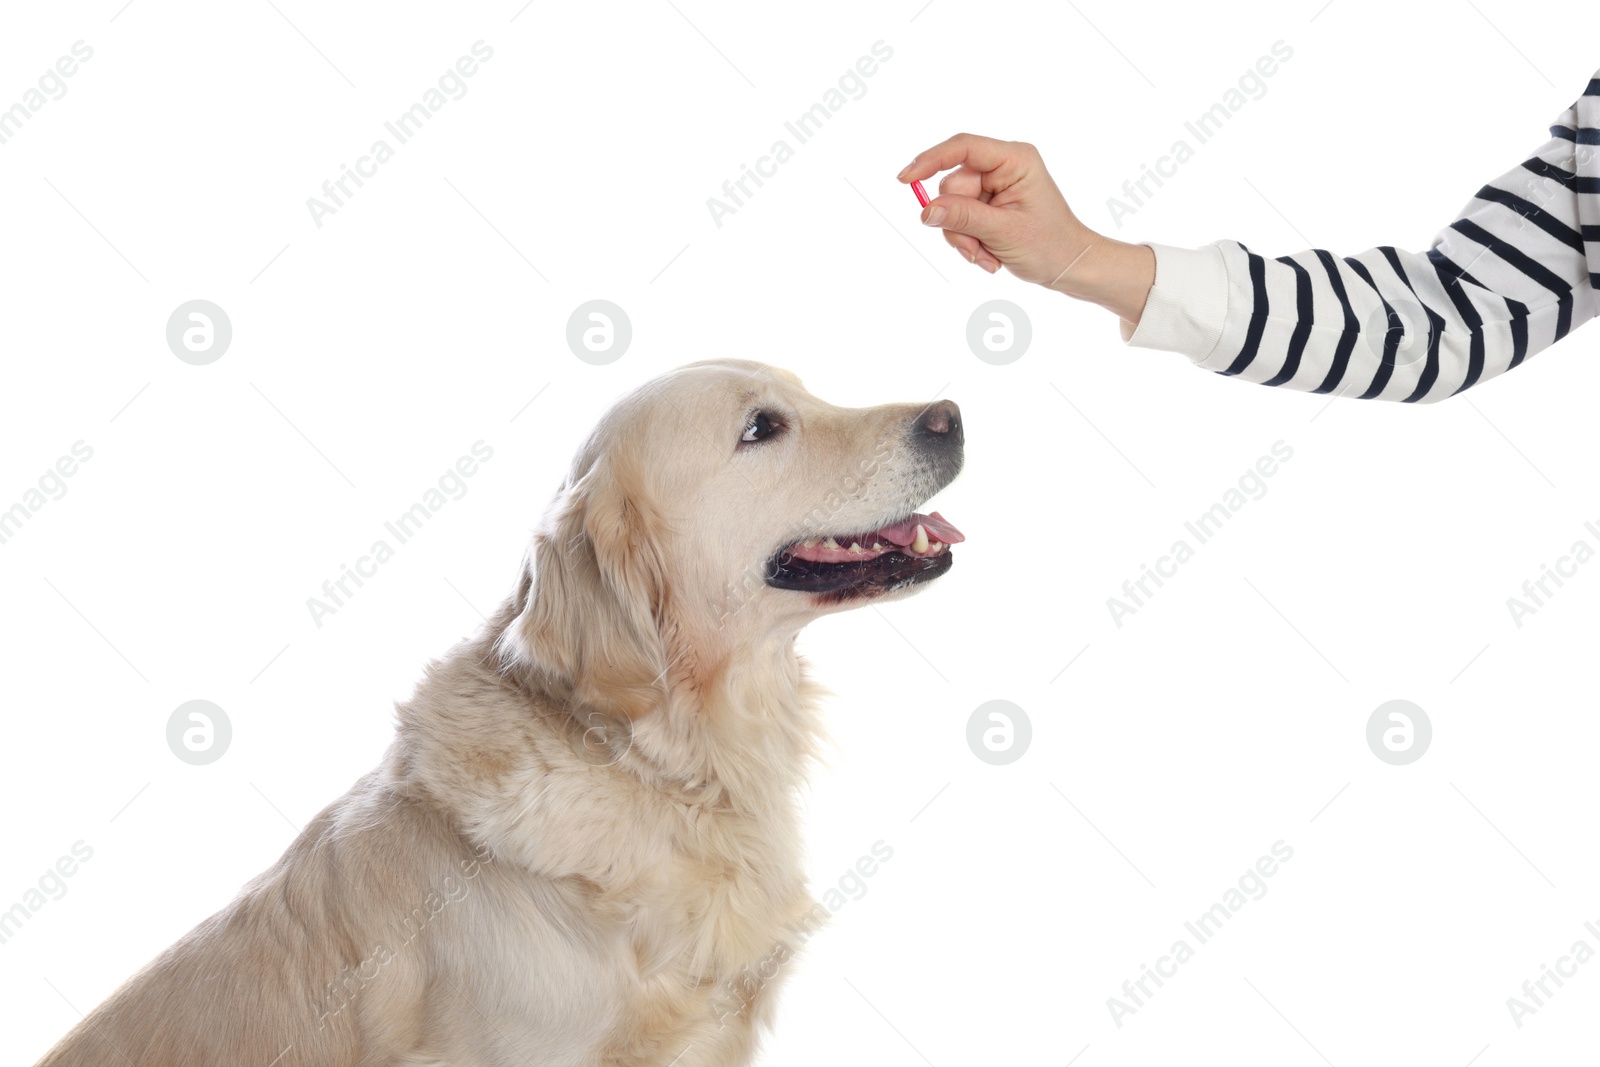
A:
(964, 214)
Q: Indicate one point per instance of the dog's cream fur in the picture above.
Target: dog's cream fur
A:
(581, 848)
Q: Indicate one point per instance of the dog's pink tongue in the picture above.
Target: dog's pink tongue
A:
(938, 527)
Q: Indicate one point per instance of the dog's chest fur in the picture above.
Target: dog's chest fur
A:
(710, 937)
(689, 889)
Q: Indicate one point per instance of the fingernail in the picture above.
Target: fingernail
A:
(935, 216)
(990, 265)
(902, 175)
(971, 258)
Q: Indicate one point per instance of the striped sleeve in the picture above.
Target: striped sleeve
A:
(1516, 271)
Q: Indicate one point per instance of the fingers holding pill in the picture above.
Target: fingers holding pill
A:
(1004, 160)
(964, 181)
(999, 196)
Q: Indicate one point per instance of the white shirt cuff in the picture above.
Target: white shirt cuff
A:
(1188, 304)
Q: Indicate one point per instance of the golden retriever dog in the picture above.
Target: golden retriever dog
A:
(582, 846)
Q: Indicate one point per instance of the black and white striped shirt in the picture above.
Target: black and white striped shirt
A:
(1516, 272)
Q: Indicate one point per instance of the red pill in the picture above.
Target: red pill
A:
(922, 194)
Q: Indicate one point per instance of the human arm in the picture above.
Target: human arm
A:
(1514, 272)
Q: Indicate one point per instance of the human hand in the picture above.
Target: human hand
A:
(1000, 207)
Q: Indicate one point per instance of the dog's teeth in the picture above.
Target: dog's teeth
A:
(811, 542)
(877, 546)
(919, 544)
(830, 543)
(855, 546)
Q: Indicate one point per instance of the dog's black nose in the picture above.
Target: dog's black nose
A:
(940, 424)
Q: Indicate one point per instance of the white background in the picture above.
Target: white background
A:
(1224, 716)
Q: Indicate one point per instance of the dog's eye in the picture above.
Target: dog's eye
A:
(760, 427)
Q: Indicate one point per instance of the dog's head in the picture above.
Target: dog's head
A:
(718, 509)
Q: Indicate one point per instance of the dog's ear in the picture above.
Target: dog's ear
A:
(594, 614)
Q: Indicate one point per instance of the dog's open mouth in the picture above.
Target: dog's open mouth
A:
(914, 549)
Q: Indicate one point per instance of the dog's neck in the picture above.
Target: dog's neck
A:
(728, 715)
(737, 723)
(684, 830)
